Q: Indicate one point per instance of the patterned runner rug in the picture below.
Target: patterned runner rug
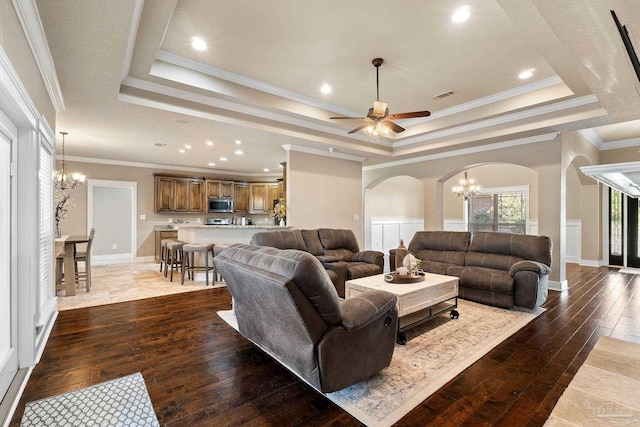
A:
(436, 352)
(120, 402)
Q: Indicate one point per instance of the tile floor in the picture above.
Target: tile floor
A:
(126, 282)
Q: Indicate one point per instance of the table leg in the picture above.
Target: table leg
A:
(70, 269)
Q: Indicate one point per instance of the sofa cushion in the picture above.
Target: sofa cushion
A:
(488, 279)
(312, 241)
(339, 243)
(517, 246)
(362, 269)
(435, 267)
(281, 239)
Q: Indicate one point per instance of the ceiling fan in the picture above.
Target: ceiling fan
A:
(378, 118)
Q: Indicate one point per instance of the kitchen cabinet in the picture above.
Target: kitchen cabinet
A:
(220, 189)
(178, 194)
(241, 197)
(261, 197)
(163, 234)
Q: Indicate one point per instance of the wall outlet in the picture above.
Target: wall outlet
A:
(143, 217)
(356, 217)
(114, 246)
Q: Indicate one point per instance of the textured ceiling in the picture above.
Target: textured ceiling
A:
(130, 78)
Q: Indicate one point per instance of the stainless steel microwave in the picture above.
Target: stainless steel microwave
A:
(220, 205)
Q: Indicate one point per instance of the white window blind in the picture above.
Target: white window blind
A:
(45, 182)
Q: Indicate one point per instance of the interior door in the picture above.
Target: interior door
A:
(633, 258)
(8, 302)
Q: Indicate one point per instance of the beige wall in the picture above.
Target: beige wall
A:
(400, 197)
(16, 47)
(324, 192)
(574, 195)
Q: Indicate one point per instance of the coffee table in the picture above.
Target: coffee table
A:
(417, 302)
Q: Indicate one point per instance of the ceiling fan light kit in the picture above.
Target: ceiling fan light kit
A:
(378, 118)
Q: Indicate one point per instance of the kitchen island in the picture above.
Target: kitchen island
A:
(222, 234)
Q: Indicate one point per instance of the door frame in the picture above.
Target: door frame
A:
(105, 183)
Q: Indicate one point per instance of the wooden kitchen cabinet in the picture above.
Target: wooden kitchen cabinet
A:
(176, 194)
(163, 234)
(220, 189)
(241, 197)
(261, 197)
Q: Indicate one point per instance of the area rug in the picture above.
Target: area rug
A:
(120, 402)
(435, 353)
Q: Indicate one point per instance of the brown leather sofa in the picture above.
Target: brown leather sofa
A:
(336, 249)
(285, 304)
(499, 269)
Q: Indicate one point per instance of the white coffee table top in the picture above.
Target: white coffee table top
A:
(401, 289)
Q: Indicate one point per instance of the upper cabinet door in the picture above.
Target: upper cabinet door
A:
(164, 194)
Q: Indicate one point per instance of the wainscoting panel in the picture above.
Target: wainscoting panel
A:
(386, 234)
(574, 240)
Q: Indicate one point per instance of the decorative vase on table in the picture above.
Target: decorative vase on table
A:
(282, 223)
(58, 231)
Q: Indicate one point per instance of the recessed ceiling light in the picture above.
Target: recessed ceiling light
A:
(325, 89)
(182, 151)
(223, 159)
(265, 170)
(281, 166)
(525, 74)
(198, 44)
(461, 14)
(211, 164)
(187, 146)
(238, 141)
(239, 152)
(209, 143)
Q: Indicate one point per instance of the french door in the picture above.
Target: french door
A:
(624, 230)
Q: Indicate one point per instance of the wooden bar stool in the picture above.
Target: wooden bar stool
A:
(163, 252)
(188, 266)
(175, 257)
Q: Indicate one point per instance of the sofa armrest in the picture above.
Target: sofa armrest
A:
(536, 267)
(371, 257)
(327, 259)
(360, 311)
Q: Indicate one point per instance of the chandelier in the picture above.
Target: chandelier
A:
(376, 130)
(62, 178)
(467, 188)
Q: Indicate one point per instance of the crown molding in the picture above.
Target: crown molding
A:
(29, 17)
(481, 102)
(497, 121)
(249, 82)
(131, 39)
(463, 151)
(623, 143)
(591, 136)
(167, 167)
(326, 153)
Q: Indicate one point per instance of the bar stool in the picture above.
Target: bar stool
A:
(163, 252)
(189, 250)
(175, 257)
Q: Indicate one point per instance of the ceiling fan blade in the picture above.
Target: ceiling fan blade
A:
(409, 115)
(343, 117)
(394, 127)
(360, 127)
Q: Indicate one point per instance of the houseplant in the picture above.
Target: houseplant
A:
(63, 205)
(280, 211)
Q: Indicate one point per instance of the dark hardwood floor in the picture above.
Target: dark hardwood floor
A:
(201, 372)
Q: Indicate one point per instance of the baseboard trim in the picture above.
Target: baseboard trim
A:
(111, 259)
(558, 286)
(591, 263)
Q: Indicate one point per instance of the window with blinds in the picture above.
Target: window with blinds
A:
(501, 212)
(45, 183)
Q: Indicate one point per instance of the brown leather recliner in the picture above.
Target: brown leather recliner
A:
(285, 304)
